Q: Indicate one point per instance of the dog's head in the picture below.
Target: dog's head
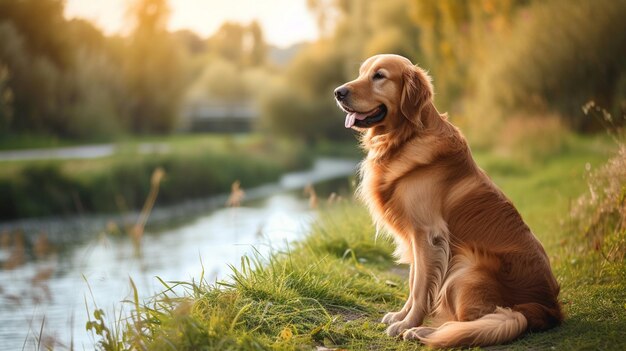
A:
(388, 94)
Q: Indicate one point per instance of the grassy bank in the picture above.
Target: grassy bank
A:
(331, 289)
(195, 166)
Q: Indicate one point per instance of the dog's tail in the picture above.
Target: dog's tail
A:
(501, 326)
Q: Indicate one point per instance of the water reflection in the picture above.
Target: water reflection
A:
(54, 287)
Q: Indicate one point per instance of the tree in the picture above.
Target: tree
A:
(153, 68)
(6, 99)
(581, 59)
(452, 38)
(308, 111)
(257, 49)
(41, 23)
(35, 60)
(228, 42)
(325, 12)
(221, 80)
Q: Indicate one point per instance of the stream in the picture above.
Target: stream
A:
(45, 296)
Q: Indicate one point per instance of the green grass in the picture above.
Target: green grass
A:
(195, 166)
(34, 141)
(332, 288)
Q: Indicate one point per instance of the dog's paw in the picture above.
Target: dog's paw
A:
(393, 317)
(398, 328)
(417, 333)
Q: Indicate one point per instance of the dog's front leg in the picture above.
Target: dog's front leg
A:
(393, 317)
(430, 255)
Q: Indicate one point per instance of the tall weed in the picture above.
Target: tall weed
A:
(599, 215)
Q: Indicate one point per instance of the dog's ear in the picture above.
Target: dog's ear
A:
(417, 91)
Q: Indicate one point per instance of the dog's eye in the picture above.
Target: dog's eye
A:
(377, 76)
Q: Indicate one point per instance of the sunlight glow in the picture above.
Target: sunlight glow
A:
(284, 22)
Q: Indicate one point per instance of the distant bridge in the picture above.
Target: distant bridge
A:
(221, 117)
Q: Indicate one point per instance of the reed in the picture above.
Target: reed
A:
(137, 230)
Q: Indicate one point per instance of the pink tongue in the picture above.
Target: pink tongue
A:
(351, 117)
(349, 120)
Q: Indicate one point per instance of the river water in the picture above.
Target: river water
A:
(46, 296)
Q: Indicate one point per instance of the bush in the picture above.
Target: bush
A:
(40, 190)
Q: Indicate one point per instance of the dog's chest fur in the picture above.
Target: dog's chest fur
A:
(403, 193)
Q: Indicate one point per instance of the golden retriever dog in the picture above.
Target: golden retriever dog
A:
(476, 270)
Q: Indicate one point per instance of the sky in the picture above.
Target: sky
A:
(284, 22)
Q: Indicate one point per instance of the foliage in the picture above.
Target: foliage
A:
(453, 36)
(153, 68)
(99, 327)
(53, 78)
(73, 82)
(99, 99)
(38, 189)
(581, 57)
(220, 80)
(239, 44)
(42, 86)
(6, 99)
(294, 108)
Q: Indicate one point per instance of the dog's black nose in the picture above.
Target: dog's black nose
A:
(341, 93)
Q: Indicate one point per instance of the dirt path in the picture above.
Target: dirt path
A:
(84, 152)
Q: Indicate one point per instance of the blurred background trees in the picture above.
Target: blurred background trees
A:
(559, 55)
(36, 62)
(491, 61)
(153, 68)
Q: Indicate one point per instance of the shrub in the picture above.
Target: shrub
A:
(40, 190)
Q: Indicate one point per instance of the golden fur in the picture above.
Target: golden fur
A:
(474, 263)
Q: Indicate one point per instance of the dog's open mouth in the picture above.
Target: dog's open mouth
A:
(365, 119)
